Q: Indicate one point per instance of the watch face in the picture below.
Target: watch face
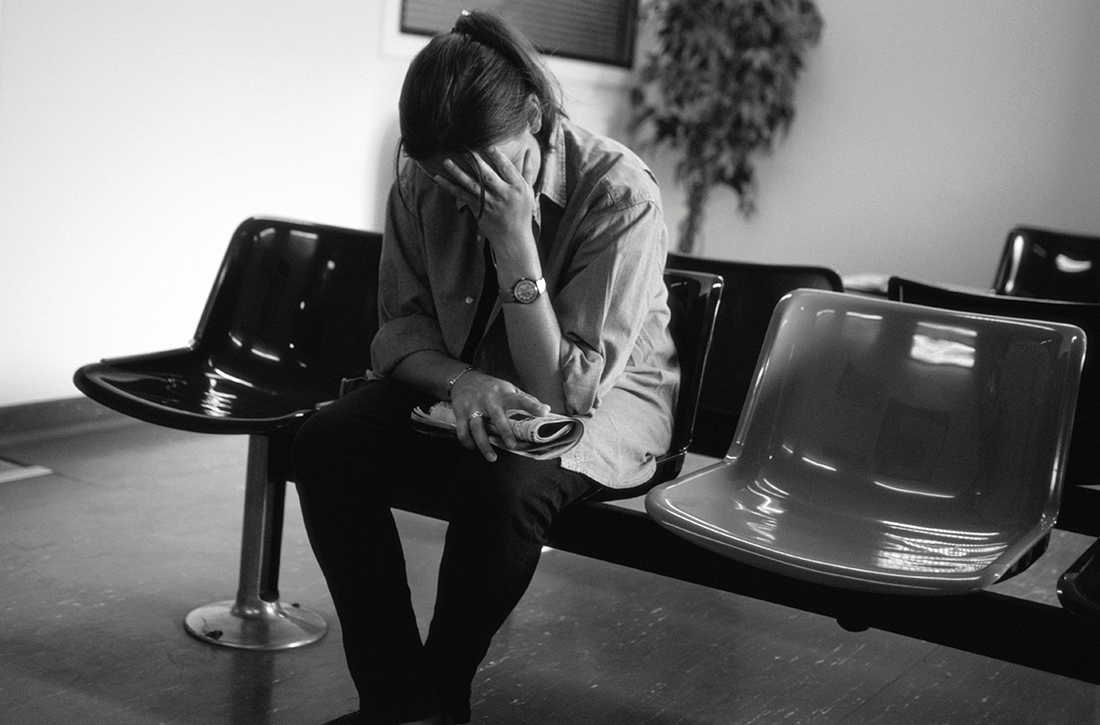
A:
(525, 291)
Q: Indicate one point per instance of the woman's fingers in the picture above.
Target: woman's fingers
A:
(458, 182)
(503, 428)
(480, 433)
(495, 172)
(473, 434)
(450, 186)
(495, 164)
(529, 172)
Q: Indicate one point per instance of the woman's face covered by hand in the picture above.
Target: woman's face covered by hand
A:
(497, 184)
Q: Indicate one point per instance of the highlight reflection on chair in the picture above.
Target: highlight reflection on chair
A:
(1049, 264)
(890, 447)
(1079, 505)
(292, 311)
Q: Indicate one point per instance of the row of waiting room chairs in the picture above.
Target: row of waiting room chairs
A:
(292, 312)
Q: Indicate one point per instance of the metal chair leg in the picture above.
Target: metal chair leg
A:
(256, 619)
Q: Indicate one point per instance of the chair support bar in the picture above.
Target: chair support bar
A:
(262, 529)
(256, 619)
(1028, 633)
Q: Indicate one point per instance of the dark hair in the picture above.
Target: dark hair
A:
(468, 89)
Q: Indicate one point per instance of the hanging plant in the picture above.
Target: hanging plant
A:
(719, 88)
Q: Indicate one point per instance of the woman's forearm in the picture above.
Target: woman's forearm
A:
(534, 339)
(534, 333)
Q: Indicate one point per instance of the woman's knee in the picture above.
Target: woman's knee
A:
(350, 426)
(518, 491)
(315, 445)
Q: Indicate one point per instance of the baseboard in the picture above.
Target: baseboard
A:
(56, 418)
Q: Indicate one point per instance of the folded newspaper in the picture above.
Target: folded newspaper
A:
(540, 437)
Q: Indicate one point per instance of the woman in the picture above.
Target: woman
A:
(522, 268)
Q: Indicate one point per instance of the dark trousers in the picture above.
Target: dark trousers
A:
(349, 458)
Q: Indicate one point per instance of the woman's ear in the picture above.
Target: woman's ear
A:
(534, 114)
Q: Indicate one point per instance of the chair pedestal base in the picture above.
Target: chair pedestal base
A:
(257, 619)
(265, 626)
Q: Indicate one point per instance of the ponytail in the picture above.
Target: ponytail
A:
(468, 89)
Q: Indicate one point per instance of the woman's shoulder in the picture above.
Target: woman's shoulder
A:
(413, 191)
(608, 163)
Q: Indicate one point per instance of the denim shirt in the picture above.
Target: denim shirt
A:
(602, 242)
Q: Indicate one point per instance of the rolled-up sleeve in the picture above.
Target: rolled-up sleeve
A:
(408, 321)
(604, 307)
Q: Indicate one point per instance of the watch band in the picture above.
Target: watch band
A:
(525, 291)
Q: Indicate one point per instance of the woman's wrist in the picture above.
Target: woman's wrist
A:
(455, 378)
(521, 258)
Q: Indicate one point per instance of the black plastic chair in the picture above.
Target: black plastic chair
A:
(292, 311)
(750, 293)
(1080, 509)
(1049, 264)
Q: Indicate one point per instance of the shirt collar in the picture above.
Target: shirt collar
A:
(552, 183)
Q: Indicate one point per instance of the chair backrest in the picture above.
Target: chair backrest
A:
(293, 302)
(750, 293)
(1049, 264)
(694, 301)
(1083, 464)
(889, 445)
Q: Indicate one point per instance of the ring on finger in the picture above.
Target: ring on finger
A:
(475, 414)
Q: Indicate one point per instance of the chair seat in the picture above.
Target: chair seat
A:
(890, 448)
(187, 390)
(846, 537)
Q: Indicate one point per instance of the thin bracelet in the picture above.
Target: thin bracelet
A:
(452, 381)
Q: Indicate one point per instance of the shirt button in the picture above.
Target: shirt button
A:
(469, 300)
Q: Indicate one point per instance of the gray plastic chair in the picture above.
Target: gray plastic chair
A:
(890, 447)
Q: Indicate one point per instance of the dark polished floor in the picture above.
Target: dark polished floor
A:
(101, 559)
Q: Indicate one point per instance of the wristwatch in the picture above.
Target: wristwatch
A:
(525, 291)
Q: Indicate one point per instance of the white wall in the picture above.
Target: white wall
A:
(136, 134)
(925, 129)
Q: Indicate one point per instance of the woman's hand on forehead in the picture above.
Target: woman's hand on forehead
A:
(501, 194)
(493, 165)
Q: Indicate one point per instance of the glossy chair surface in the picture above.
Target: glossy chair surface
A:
(1049, 264)
(890, 447)
(288, 316)
(292, 311)
(1083, 463)
(693, 300)
(750, 293)
(1079, 586)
